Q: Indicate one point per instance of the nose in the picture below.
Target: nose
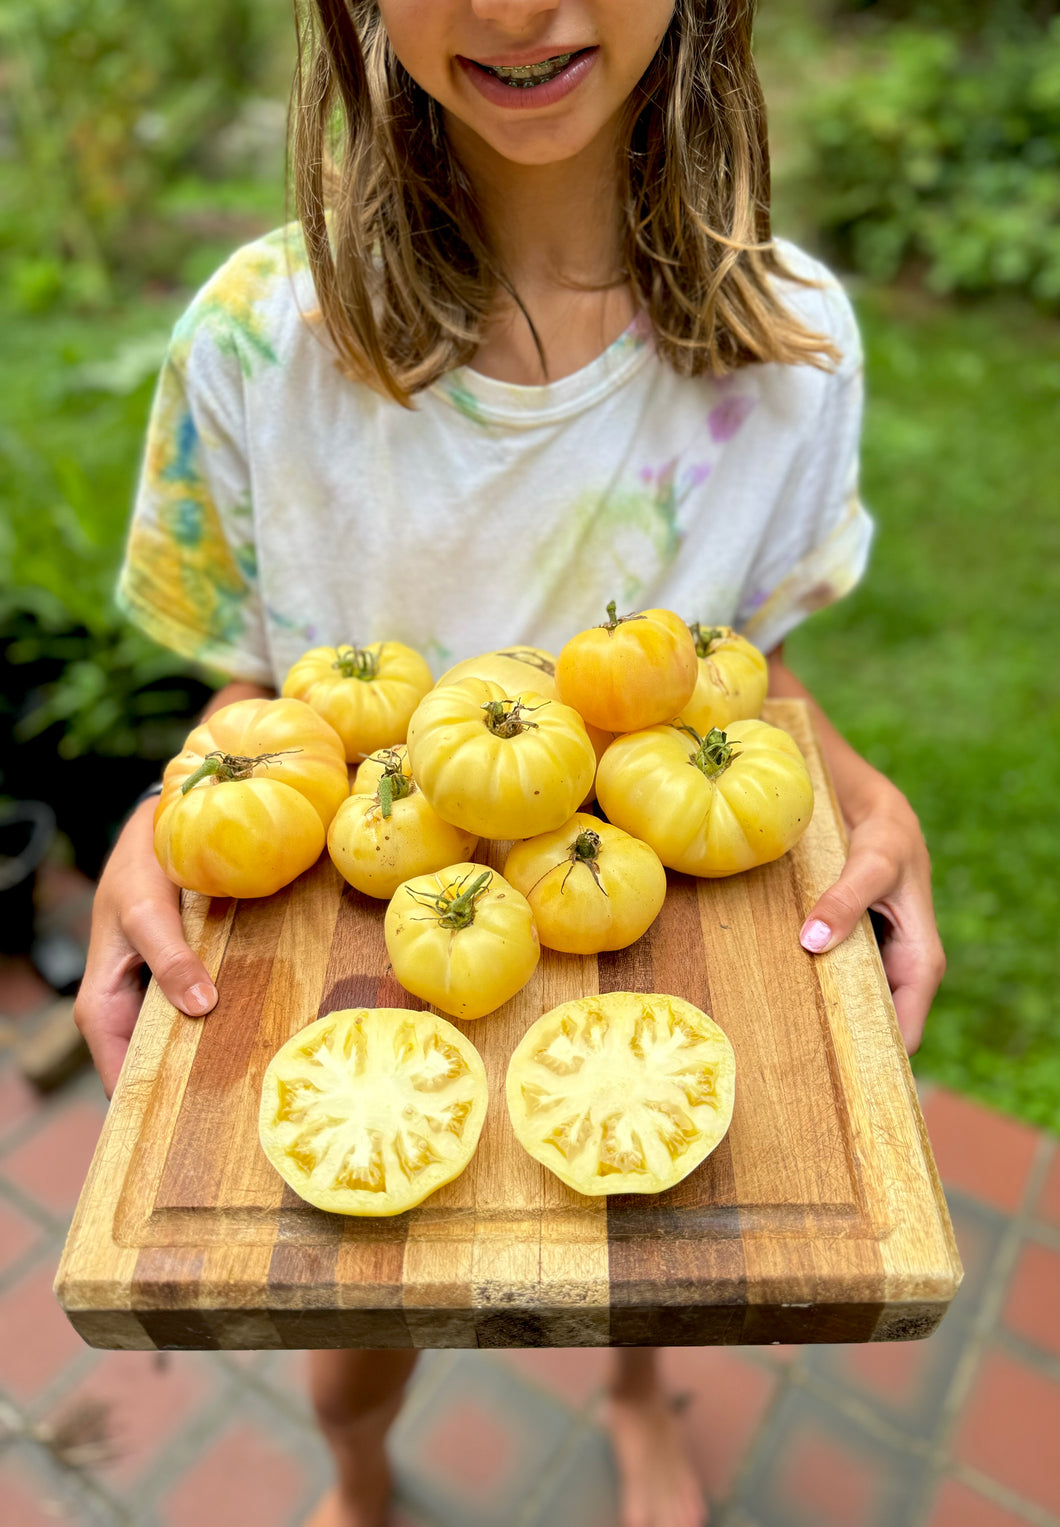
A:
(515, 15)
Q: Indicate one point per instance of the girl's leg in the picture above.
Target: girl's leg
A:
(356, 1396)
(659, 1486)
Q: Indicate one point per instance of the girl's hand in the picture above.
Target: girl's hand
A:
(887, 871)
(135, 921)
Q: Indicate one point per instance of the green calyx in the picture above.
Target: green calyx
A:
(706, 637)
(585, 850)
(457, 910)
(714, 752)
(357, 663)
(394, 783)
(505, 717)
(228, 766)
(614, 620)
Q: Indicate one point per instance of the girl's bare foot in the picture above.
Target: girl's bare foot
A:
(659, 1486)
(338, 1510)
(356, 1396)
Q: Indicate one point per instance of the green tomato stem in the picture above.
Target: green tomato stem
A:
(455, 911)
(707, 637)
(229, 766)
(505, 717)
(394, 783)
(357, 663)
(714, 752)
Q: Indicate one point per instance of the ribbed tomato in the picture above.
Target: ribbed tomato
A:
(713, 805)
(366, 693)
(245, 805)
(732, 683)
(629, 673)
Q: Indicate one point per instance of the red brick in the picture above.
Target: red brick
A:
(470, 1450)
(980, 1152)
(247, 1476)
(1049, 1203)
(572, 1374)
(833, 1486)
(1033, 1306)
(26, 1500)
(52, 1164)
(17, 1234)
(36, 1339)
(958, 1506)
(729, 1396)
(893, 1370)
(148, 1396)
(1004, 1433)
(18, 1100)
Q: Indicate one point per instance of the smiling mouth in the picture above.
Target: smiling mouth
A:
(526, 76)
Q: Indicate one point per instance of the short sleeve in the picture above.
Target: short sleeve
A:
(189, 578)
(817, 545)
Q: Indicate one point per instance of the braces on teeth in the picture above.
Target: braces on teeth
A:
(530, 74)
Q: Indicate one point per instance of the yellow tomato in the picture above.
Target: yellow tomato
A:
(463, 939)
(623, 1093)
(711, 806)
(629, 673)
(589, 884)
(366, 693)
(245, 806)
(497, 764)
(386, 831)
(732, 683)
(513, 668)
(369, 1110)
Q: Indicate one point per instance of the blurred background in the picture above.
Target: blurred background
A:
(916, 146)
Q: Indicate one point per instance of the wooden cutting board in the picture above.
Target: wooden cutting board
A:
(819, 1217)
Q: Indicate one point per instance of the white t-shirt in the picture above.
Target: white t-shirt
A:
(284, 506)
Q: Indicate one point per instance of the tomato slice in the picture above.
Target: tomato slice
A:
(622, 1093)
(368, 1110)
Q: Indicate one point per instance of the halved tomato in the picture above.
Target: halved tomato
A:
(623, 1093)
(368, 1110)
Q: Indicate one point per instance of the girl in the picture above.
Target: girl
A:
(533, 349)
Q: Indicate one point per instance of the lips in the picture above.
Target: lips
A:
(523, 81)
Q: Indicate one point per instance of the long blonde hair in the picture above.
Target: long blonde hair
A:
(403, 270)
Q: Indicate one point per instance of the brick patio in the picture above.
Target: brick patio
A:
(951, 1432)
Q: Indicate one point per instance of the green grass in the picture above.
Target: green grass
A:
(942, 668)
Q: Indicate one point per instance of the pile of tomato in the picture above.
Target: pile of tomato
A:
(653, 719)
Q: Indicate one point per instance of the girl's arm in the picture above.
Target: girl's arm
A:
(887, 870)
(136, 922)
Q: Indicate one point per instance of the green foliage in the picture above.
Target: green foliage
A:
(932, 151)
(940, 667)
(70, 441)
(108, 102)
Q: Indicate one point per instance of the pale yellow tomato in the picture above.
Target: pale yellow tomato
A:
(711, 806)
(513, 668)
(245, 805)
(732, 683)
(386, 832)
(366, 693)
(623, 1093)
(589, 884)
(629, 673)
(497, 764)
(368, 1110)
(463, 939)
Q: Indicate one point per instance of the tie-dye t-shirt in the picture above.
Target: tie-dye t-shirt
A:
(283, 505)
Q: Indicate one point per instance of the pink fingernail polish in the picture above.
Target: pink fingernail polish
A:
(200, 1000)
(815, 936)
